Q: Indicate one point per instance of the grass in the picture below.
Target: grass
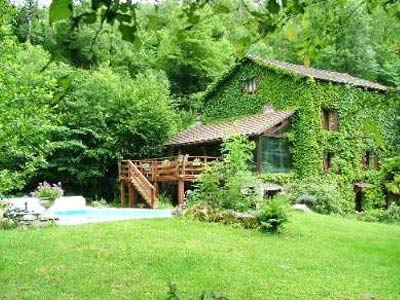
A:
(319, 257)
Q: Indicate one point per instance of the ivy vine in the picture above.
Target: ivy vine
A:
(366, 118)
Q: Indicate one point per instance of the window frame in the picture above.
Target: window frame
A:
(327, 162)
(329, 119)
(370, 160)
(252, 85)
(267, 156)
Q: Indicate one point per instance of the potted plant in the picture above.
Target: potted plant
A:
(166, 162)
(47, 193)
(197, 162)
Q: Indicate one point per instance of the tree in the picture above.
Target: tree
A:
(7, 13)
(104, 117)
(25, 122)
(193, 55)
(346, 36)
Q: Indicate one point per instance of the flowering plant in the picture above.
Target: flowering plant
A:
(47, 191)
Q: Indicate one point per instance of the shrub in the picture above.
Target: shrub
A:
(325, 195)
(241, 191)
(277, 178)
(48, 191)
(4, 204)
(229, 184)
(165, 201)
(206, 213)
(209, 189)
(390, 215)
(390, 173)
(201, 212)
(6, 224)
(371, 215)
(273, 214)
(373, 195)
(102, 203)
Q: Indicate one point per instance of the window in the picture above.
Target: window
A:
(329, 119)
(275, 155)
(252, 85)
(328, 161)
(370, 161)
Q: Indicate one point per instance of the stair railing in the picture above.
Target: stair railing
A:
(134, 172)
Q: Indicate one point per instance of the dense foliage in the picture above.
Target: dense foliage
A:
(229, 184)
(229, 193)
(84, 84)
(366, 120)
(25, 110)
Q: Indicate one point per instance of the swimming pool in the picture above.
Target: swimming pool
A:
(90, 215)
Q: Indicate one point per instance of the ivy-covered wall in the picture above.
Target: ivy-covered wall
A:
(366, 119)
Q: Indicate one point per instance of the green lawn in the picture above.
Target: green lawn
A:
(319, 257)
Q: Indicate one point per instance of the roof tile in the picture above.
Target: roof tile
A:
(249, 126)
(320, 74)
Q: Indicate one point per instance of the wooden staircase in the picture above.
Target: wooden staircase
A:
(143, 176)
(135, 180)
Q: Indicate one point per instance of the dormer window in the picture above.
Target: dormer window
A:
(329, 119)
(252, 85)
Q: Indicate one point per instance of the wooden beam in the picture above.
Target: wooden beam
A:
(122, 191)
(131, 193)
(181, 191)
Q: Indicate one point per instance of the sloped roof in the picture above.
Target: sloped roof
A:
(323, 75)
(320, 74)
(249, 126)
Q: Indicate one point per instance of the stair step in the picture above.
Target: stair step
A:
(142, 184)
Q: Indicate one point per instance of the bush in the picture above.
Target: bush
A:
(390, 174)
(102, 203)
(325, 195)
(206, 213)
(273, 215)
(229, 184)
(6, 224)
(371, 215)
(209, 189)
(373, 195)
(165, 201)
(241, 191)
(390, 215)
(201, 212)
(4, 204)
(46, 191)
(277, 178)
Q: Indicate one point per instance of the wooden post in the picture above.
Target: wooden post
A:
(131, 193)
(181, 191)
(122, 187)
(157, 186)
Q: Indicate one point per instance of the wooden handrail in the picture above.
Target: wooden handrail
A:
(142, 174)
(154, 170)
(135, 172)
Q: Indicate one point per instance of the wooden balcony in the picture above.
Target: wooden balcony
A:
(144, 175)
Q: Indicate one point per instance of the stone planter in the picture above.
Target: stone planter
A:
(46, 202)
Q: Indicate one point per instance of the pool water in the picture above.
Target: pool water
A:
(91, 215)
